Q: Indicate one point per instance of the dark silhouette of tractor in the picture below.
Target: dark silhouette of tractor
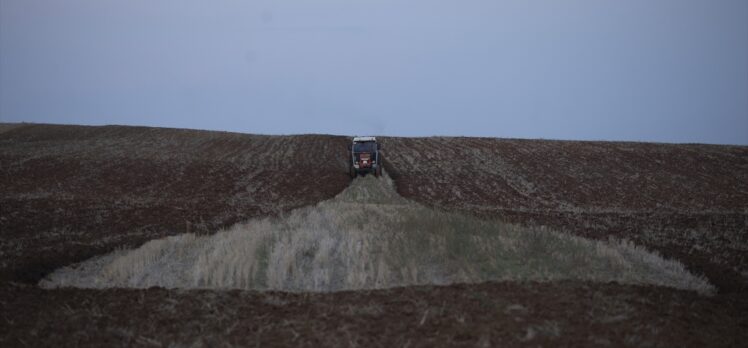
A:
(365, 157)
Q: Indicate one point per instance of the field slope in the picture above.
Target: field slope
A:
(689, 202)
(68, 193)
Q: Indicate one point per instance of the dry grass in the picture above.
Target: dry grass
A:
(369, 237)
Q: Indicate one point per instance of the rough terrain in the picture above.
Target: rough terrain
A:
(68, 193)
(689, 202)
(485, 315)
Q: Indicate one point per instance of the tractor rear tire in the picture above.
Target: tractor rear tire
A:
(378, 172)
(352, 172)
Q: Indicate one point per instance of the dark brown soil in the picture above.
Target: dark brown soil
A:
(688, 202)
(68, 193)
(494, 314)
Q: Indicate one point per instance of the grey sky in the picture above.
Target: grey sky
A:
(653, 70)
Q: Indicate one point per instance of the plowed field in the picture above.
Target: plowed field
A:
(68, 193)
(689, 202)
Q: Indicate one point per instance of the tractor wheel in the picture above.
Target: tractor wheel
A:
(378, 172)
(352, 172)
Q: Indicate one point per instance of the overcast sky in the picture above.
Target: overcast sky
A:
(651, 70)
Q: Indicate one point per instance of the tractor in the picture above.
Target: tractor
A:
(365, 157)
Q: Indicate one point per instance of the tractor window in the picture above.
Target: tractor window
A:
(368, 146)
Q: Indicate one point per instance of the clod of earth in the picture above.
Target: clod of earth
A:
(369, 237)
